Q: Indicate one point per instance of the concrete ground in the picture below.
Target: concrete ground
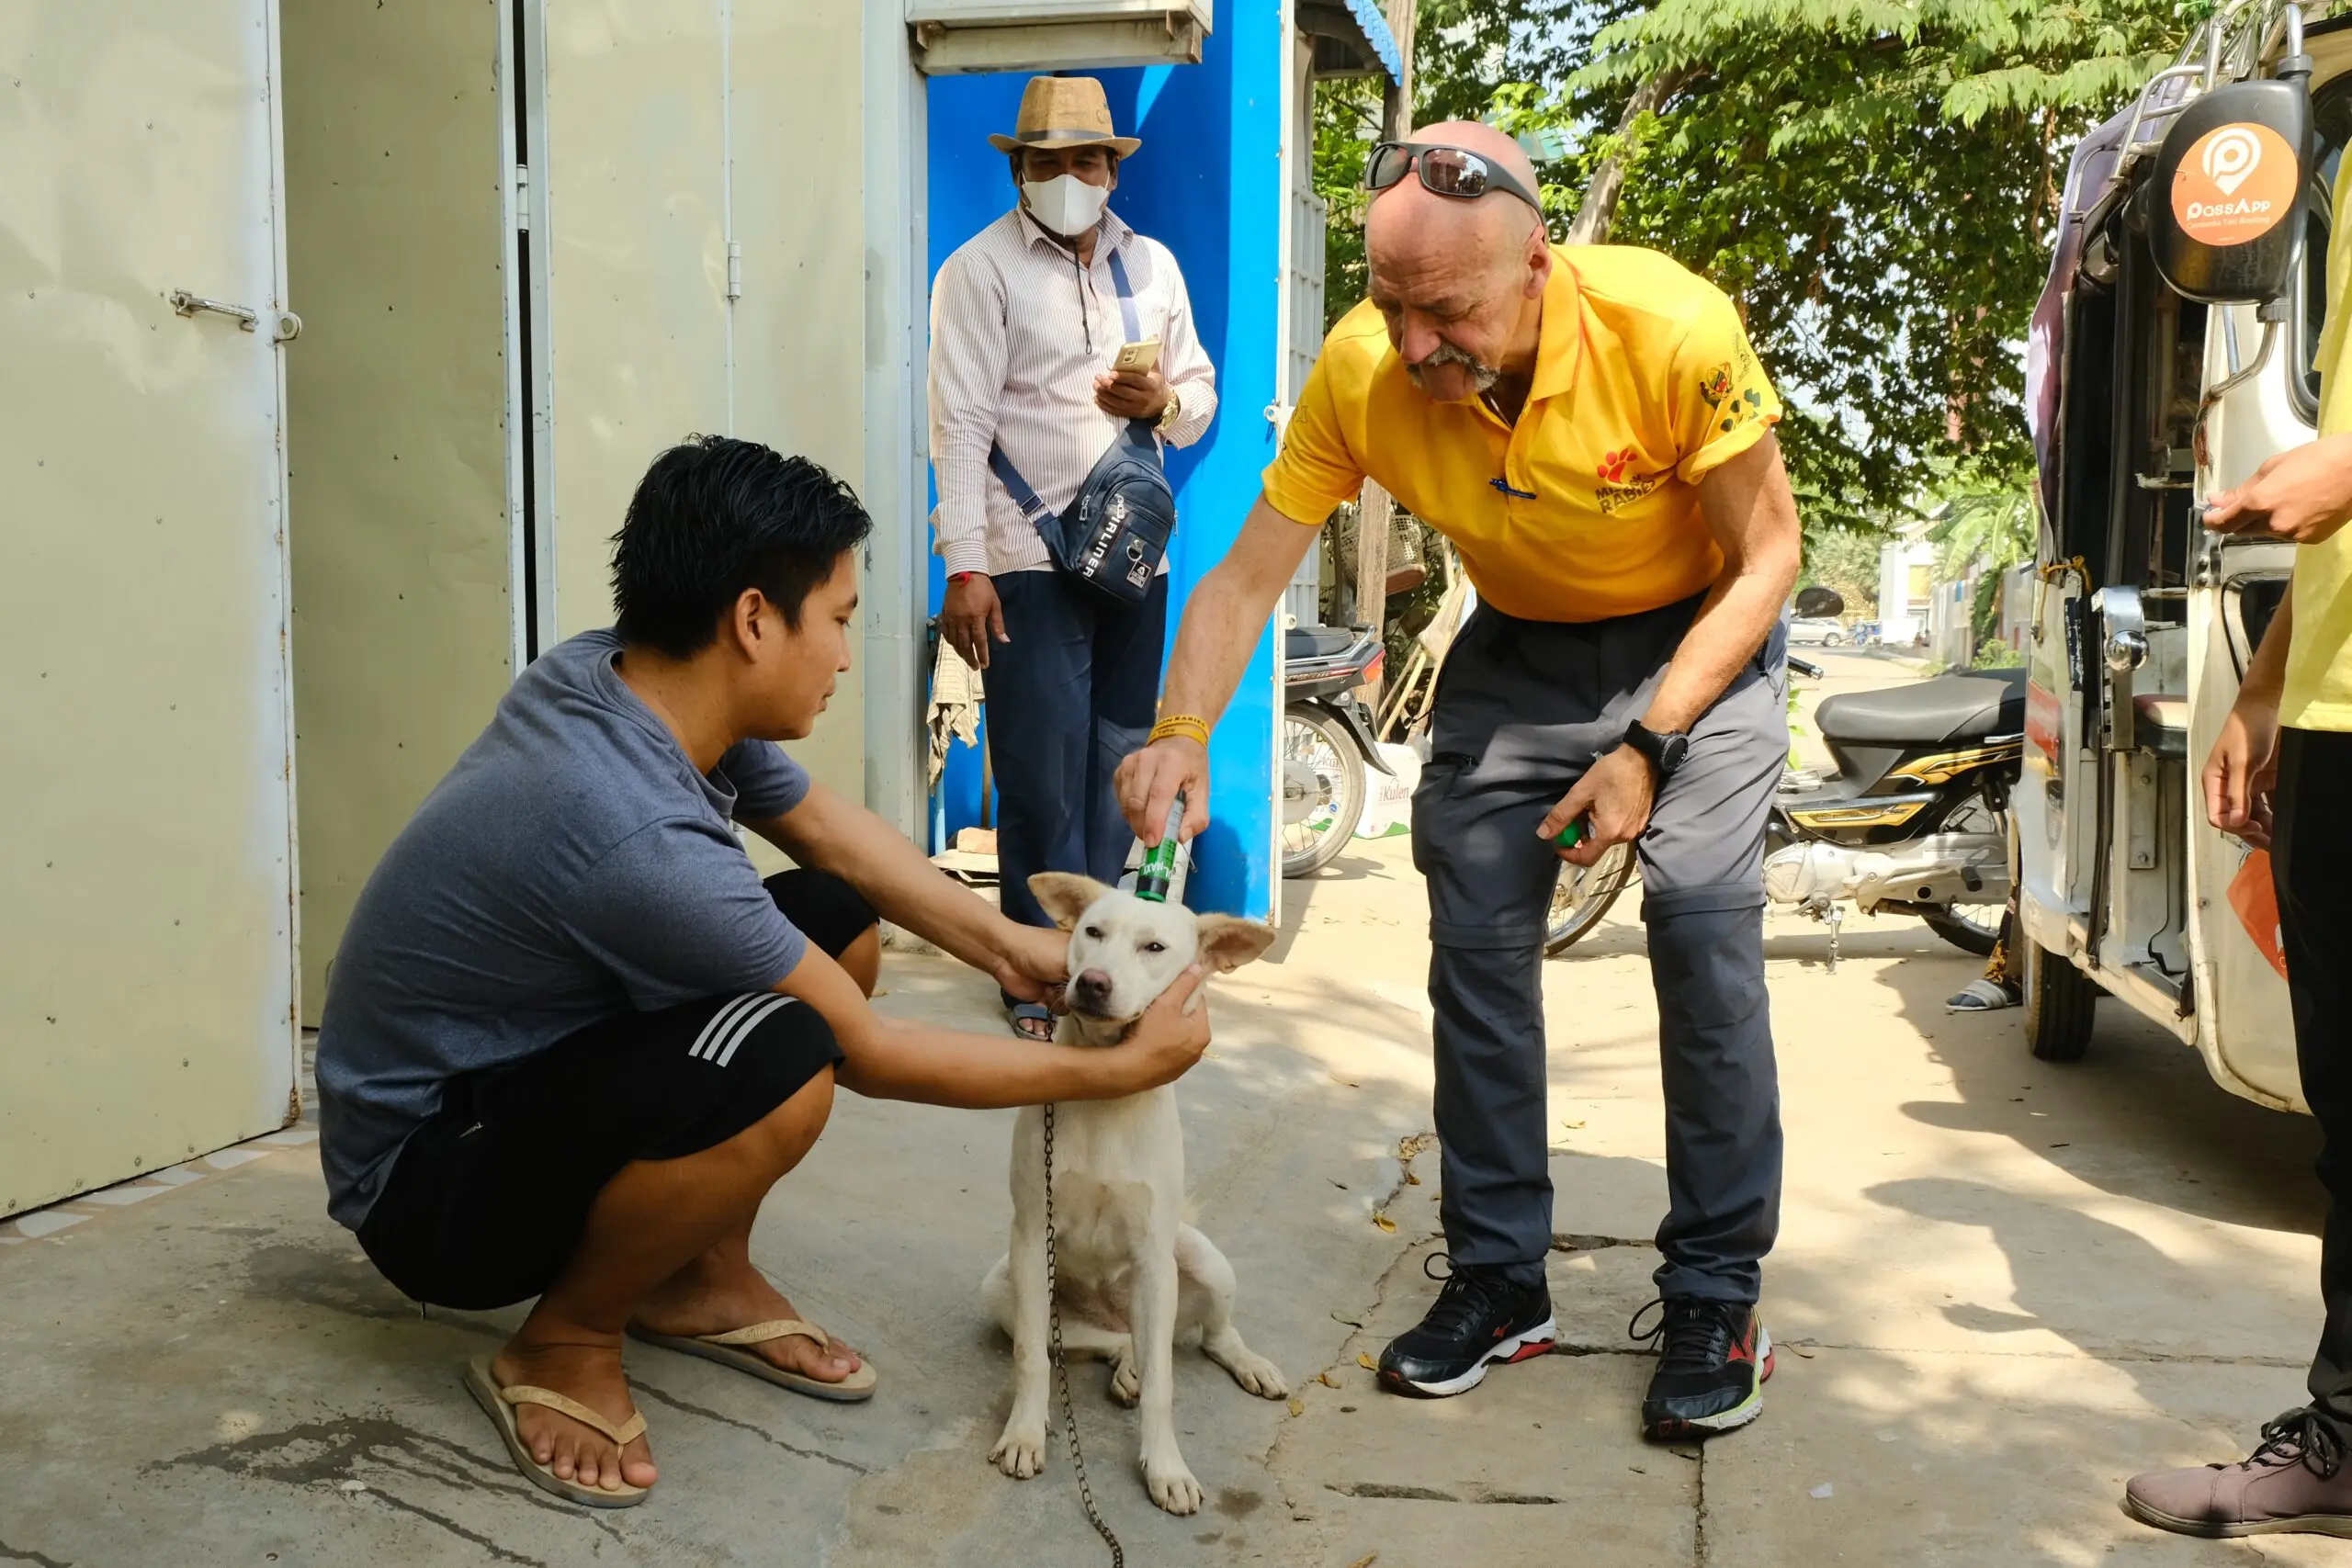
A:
(2001, 1287)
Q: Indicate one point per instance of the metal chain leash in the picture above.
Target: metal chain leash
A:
(1062, 1367)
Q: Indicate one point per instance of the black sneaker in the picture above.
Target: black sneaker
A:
(1480, 1318)
(1712, 1359)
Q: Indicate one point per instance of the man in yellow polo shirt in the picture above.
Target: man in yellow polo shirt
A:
(1591, 428)
(2277, 778)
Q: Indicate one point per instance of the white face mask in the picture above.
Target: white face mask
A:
(1065, 205)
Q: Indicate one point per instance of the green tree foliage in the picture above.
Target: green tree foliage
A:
(1990, 525)
(1877, 182)
(1847, 560)
(1347, 122)
(1874, 182)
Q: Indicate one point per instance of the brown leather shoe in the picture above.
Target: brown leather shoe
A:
(2295, 1484)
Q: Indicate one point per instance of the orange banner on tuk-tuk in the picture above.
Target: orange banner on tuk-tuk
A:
(2256, 898)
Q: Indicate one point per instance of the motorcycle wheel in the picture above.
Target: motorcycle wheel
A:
(1581, 898)
(1323, 788)
(1964, 931)
(1971, 928)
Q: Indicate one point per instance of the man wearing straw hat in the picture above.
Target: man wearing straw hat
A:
(1027, 318)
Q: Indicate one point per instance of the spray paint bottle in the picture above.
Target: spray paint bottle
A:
(1157, 875)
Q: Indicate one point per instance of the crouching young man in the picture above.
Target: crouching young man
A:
(573, 1040)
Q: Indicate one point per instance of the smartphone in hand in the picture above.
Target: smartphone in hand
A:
(1137, 357)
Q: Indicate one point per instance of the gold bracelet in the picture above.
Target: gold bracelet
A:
(1176, 724)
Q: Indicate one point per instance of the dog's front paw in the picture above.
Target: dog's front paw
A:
(1250, 1370)
(1020, 1452)
(1258, 1375)
(1173, 1488)
(1127, 1383)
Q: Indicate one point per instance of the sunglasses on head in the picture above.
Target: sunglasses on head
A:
(1446, 171)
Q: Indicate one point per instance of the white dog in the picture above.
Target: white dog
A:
(1132, 1276)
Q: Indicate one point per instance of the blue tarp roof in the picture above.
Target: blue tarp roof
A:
(1376, 33)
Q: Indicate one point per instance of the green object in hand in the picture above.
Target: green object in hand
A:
(1570, 836)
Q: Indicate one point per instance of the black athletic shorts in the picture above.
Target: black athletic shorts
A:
(486, 1202)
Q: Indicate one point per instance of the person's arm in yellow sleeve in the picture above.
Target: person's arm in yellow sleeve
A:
(1315, 471)
(1726, 412)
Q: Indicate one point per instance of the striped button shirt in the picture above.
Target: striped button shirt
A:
(1019, 331)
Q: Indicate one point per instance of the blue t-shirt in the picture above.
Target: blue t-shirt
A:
(573, 866)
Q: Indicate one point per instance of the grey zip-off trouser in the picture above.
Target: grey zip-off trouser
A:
(1523, 708)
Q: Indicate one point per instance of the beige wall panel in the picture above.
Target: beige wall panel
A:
(801, 325)
(637, 263)
(636, 169)
(146, 928)
(396, 392)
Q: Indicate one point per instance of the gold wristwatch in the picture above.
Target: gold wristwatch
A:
(1168, 414)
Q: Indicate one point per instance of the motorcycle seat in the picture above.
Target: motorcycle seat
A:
(1317, 642)
(1970, 706)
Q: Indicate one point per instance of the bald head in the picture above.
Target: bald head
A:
(1408, 211)
(1461, 283)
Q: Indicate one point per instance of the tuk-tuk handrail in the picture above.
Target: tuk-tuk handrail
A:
(2142, 109)
(2231, 44)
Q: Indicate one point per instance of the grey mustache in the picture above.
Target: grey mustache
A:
(1482, 375)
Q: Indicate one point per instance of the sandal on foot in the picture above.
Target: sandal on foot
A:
(728, 1351)
(500, 1403)
(1019, 1013)
(1982, 996)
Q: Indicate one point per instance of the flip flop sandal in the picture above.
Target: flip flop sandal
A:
(500, 1403)
(1982, 996)
(1019, 1013)
(727, 1351)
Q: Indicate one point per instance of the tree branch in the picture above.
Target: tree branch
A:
(1600, 209)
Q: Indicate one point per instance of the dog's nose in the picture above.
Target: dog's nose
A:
(1091, 989)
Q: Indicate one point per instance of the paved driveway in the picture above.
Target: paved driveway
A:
(2001, 1287)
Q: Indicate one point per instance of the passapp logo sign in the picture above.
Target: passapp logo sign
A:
(2229, 155)
(2235, 185)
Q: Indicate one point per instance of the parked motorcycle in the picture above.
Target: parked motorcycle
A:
(1914, 818)
(1326, 741)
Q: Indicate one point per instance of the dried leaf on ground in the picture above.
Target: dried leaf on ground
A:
(1366, 1363)
(1383, 1222)
(1419, 1142)
(1298, 1408)
(1366, 1561)
(1326, 1380)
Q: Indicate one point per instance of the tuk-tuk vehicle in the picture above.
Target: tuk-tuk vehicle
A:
(2172, 355)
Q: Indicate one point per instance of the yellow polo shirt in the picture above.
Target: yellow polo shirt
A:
(1587, 507)
(2319, 660)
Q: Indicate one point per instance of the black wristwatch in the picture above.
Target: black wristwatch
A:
(1664, 752)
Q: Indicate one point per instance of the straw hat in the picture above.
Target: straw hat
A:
(1064, 112)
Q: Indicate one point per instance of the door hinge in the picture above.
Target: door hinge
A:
(734, 270)
(523, 197)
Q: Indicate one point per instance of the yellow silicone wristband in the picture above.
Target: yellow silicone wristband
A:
(1182, 724)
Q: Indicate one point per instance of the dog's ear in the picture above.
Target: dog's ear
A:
(1227, 941)
(1065, 895)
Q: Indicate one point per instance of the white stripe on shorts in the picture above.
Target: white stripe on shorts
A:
(722, 1018)
(741, 1032)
